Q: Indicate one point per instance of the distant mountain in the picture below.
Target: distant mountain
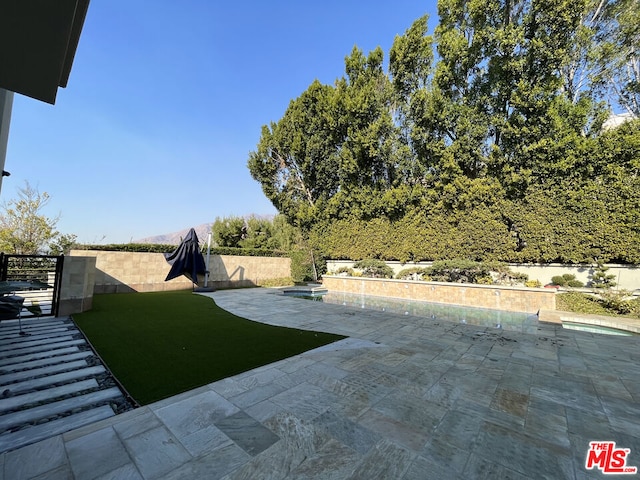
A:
(176, 237)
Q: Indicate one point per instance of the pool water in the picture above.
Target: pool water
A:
(582, 327)
(515, 321)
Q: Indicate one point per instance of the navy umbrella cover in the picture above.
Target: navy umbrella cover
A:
(187, 259)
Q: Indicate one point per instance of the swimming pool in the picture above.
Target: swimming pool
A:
(583, 327)
(499, 319)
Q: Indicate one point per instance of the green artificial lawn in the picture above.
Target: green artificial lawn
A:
(161, 344)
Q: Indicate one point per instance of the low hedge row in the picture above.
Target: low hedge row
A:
(164, 248)
(456, 271)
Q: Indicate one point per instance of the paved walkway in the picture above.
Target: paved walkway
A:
(401, 398)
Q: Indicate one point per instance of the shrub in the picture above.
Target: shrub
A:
(374, 268)
(533, 283)
(413, 273)
(509, 278)
(346, 270)
(617, 302)
(566, 280)
(602, 279)
(459, 271)
(606, 303)
(558, 280)
(579, 303)
(301, 266)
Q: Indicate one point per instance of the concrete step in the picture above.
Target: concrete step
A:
(10, 378)
(11, 441)
(36, 340)
(33, 322)
(51, 360)
(34, 336)
(8, 332)
(46, 386)
(43, 348)
(36, 383)
(18, 401)
(35, 356)
(18, 418)
(38, 344)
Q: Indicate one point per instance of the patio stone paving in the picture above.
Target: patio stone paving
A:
(401, 398)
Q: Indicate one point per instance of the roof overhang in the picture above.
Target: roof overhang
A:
(38, 41)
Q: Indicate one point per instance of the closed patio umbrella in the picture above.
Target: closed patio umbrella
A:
(187, 259)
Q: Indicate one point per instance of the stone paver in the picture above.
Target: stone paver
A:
(402, 398)
(52, 428)
(70, 404)
(57, 378)
(43, 395)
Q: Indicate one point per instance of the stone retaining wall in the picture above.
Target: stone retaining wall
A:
(76, 291)
(89, 272)
(117, 272)
(513, 299)
(124, 272)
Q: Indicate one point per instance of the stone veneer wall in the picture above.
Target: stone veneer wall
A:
(76, 292)
(118, 272)
(513, 299)
(230, 271)
(124, 272)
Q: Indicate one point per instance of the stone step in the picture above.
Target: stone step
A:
(13, 329)
(10, 378)
(33, 321)
(13, 335)
(18, 401)
(42, 348)
(37, 355)
(51, 360)
(32, 332)
(36, 383)
(8, 333)
(20, 417)
(36, 322)
(36, 433)
(38, 344)
(33, 339)
(44, 321)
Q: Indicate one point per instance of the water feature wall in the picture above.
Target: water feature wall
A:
(512, 299)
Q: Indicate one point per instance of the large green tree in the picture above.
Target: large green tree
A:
(255, 232)
(615, 52)
(297, 159)
(491, 149)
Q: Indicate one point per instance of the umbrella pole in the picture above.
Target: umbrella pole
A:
(206, 287)
(206, 274)
(22, 332)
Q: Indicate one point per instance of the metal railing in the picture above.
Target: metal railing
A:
(43, 268)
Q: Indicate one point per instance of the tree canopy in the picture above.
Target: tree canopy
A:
(25, 230)
(482, 140)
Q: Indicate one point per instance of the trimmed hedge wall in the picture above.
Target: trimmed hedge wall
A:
(163, 248)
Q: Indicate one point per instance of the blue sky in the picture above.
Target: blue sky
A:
(167, 98)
